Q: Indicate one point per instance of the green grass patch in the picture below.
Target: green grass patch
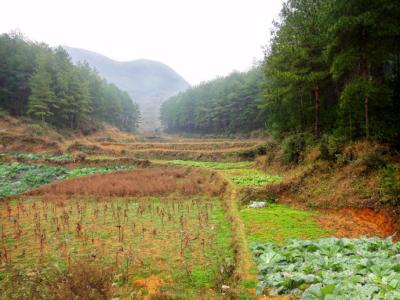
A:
(85, 171)
(212, 165)
(101, 157)
(277, 223)
(241, 173)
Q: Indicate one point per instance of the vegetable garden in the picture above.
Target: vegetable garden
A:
(172, 231)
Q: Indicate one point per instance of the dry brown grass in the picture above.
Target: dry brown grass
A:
(220, 145)
(350, 181)
(225, 155)
(83, 279)
(140, 182)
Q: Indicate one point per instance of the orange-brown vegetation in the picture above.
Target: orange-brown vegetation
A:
(18, 135)
(140, 182)
(21, 135)
(225, 155)
(349, 181)
(151, 284)
(83, 279)
(195, 145)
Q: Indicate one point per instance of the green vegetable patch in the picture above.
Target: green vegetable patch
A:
(241, 173)
(37, 156)
(78, 172)
(278, 223)
(16, 177)
(251, 177)
(212, 164)
(330, 268)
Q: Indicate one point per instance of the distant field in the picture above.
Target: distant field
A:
(188, 149)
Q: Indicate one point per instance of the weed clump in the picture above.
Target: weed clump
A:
(83, 279)
(390, 185)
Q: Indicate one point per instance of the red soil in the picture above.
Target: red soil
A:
(358, 222)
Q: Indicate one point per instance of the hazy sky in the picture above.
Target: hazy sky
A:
(200, 39)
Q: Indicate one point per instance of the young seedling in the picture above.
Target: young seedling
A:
(78, 228)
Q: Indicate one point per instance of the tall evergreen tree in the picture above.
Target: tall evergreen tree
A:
(363, 38)
(43, 83)
(42, 96)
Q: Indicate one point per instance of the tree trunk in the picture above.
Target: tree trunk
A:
(302, 111)
(351, 127)
(365, 74)
(317, 109)
(366, 117)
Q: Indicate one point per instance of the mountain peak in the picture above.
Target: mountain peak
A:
(148, 82)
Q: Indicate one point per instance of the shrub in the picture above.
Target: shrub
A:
(249, 154)
(36, 130)
(84, 280)
(271, 149)
(330, 147)
(294, 148)
(372, 161)
(390, 185)
(324, 150)
(253, 152)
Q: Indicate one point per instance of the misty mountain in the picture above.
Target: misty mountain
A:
(149, 83)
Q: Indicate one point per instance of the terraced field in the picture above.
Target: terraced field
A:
(108, 225)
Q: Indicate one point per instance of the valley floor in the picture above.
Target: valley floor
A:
(109, 216)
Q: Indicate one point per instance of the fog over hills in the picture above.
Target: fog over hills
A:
(148, 82)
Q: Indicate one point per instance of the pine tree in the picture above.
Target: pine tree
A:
(42, 95)
(362, 39)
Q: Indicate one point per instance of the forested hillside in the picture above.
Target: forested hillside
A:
(332, 67)
(42, 83)
(148, 82)
(221, 106)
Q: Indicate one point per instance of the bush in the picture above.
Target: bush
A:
(390, 185)
(372, 161)
(36, 130)
(261, 149)
(294, 148)
(324, 150)
(330, 147)
(249, 154)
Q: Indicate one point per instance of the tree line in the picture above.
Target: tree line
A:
(332, 67)
(42, 83)
(221, 106)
